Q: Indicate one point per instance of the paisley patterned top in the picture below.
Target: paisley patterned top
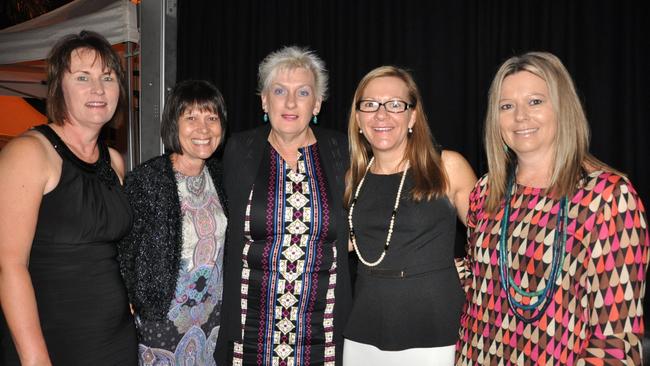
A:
(289, 271)
(596, 314)
(188, 336)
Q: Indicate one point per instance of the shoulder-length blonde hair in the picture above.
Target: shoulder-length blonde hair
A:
(572, 158)
(430, 180)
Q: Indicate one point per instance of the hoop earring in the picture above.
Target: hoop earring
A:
(315, 120)
(265, 118)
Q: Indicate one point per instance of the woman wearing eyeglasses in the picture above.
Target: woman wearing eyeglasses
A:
(403, 197)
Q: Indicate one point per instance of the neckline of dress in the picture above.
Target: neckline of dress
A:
(520, 187)
(185, 176)
(61, 146)
(396, 174)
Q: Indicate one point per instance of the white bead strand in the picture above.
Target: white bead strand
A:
(392, 218)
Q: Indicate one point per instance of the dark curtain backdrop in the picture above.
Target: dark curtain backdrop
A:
(453, 48)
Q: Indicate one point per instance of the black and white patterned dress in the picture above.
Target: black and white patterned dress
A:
(289, 271)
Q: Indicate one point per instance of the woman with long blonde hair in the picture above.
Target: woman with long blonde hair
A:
(557, 240)
(403, 197)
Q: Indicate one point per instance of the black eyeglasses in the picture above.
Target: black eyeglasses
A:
(392, 106)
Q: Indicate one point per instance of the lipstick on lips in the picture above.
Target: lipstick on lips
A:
(290, 117)
(200, 141)
(526, 131)
(96, 104)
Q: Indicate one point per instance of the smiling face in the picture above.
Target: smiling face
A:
(199, 134)
(290, 101)
(386, 132)
(527, 119)
(90, 92)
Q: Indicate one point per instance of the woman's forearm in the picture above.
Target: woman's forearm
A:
(21, 313)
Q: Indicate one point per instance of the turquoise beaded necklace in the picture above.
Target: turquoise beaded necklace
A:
(544, 295)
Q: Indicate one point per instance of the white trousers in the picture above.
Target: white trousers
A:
(360, 354)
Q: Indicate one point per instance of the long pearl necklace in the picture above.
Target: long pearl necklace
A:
(392, 216)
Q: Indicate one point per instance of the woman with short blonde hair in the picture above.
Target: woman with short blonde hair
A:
(287, 287)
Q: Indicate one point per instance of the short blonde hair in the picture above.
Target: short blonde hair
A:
(290, 58)
(571, 158)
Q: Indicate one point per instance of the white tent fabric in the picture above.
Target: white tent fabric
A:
(23, 45)
(32, 40)
(23, 80)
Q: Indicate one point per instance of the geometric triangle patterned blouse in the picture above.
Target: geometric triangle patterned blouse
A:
(595, 315)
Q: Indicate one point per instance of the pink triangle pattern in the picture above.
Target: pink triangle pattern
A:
(596, 315)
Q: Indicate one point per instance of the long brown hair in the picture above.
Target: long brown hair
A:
(430, 180)
(572, 157)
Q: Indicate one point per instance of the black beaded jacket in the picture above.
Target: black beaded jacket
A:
(150, 254)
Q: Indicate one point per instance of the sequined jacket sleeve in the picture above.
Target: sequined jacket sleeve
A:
(150, 254)
(147, 254)
(617, 238)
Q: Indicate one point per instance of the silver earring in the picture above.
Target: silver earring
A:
(360, 131)
(410, 130)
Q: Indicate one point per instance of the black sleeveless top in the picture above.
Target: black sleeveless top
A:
(82, 302)
(413, 298)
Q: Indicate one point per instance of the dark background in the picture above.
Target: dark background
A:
(453, 49)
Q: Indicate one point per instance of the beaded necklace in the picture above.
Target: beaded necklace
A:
(392, 216)
(545, 294)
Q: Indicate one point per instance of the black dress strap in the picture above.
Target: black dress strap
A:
(54, 139)
(102, 167)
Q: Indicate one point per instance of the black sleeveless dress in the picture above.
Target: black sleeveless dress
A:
(82, 302)
(413, 298)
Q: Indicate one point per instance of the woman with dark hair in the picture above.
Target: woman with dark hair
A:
(287, 286)
(404, 197)
(62, 211)
(172, 260)
(557, 245)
